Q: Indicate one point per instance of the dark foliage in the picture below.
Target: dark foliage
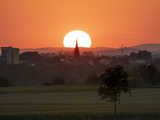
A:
(31, 57)
(113, 83)
(143, 54)
(148, 73)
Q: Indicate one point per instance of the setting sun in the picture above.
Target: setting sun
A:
(84, 40)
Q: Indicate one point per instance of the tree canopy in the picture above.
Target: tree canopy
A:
(113, 83)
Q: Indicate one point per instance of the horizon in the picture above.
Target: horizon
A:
(90, 47)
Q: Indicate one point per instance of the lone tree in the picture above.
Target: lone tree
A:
(113, 83)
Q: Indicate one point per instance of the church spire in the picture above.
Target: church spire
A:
(76, 50)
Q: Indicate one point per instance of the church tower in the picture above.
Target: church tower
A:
(76, 50)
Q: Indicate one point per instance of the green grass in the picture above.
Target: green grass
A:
(66, 100)
(82, 117)
(44, 89)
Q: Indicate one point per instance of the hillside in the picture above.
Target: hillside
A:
(62, 49)
(154, 48)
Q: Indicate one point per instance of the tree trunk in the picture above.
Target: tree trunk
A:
(115, 110)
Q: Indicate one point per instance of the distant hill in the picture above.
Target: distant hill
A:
(62, 49)
(154, 48)
(150, 47)
(119, 51)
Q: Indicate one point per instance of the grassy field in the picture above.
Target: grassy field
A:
(61, 100)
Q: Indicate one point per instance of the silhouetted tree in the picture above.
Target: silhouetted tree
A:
(113, 83)
(31, 57)
(133, 56)
(142, 54)
(148, 73)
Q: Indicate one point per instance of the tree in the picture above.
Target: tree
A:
(148, 73)
(113, 83)
(141, 55)
(31, 57)
(146, 55)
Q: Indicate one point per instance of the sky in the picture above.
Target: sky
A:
(110, 23)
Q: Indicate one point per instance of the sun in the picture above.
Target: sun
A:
(84, 40)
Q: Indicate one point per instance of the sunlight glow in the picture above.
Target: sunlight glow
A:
(83, 39)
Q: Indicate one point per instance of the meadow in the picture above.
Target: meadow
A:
(74, 100)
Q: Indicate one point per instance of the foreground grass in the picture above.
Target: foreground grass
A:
(83, 117)
(75, 100)
(44, 89)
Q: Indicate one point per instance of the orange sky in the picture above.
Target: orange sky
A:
(110, 23)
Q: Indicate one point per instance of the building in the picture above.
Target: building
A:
(10, 55)
(76, 50)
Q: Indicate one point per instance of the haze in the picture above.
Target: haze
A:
(110, 23)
